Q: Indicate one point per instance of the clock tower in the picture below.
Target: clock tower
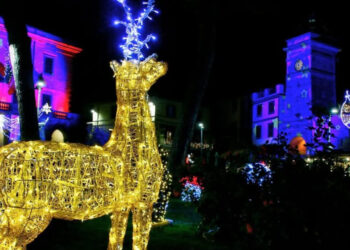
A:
(310, 83)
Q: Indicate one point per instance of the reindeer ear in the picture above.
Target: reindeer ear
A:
(114, 65)
(154, 70)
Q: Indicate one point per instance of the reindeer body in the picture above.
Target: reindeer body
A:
(44, 180)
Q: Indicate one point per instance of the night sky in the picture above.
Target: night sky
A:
(250, 36)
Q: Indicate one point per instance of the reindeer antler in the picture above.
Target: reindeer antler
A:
(133, 43)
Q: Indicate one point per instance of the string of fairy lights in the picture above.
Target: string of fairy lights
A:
(160, 207)
(133, 43)
(9, 126)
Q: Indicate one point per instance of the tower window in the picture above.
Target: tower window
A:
(271, 107)
(259, 110)
(258, 132)
(48, 65)
(270, 130)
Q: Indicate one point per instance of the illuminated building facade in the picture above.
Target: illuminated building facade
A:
(310, 84)
(266, 106)
(52, 60)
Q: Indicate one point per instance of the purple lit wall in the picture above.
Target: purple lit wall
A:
(52, 58)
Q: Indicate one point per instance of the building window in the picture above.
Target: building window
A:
(46, 99)
(271, 107)
(258, 132)
(171, 111)
(48, 65)
(259, 110)
(270, 130)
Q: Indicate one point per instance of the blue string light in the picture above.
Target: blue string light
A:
(134, 44)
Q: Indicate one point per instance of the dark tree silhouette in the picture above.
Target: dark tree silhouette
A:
(203, 59)
(20, 55)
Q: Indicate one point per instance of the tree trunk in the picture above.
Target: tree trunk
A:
(20, 56)
(205, 60)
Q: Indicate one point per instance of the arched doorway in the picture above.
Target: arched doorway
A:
(299, 144)
(57, 136)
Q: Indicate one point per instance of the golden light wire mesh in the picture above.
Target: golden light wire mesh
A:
(44, 180)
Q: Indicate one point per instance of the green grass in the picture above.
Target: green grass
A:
(93, 234)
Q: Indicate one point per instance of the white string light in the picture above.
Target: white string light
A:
(134, 44)
(10, 126)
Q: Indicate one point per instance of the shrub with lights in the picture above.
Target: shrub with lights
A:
(192, 189)
(303, 203)
(160, 207)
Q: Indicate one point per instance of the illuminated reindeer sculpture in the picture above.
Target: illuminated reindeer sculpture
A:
(44, 180)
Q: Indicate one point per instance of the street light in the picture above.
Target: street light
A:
(39, 85)
(94, 117)
(333, 111)
(201, 127)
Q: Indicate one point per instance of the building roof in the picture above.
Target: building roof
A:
(42, 36)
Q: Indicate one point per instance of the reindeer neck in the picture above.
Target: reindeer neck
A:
(133, 118)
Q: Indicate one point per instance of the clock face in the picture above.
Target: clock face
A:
(298, 65)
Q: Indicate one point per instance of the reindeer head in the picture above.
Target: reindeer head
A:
(137, 76)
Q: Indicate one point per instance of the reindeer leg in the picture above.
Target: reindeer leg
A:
(142, 224)
(119, 221)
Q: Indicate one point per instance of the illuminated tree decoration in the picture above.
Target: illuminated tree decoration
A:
(43, 180)
(257, 173)
(192, 190)
(10, 126)
(134, 44)
(345, 110)
(191, 193)
(160, 207)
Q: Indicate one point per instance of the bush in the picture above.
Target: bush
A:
(305, 205)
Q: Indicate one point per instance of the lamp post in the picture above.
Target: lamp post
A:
(201, 127)
(333, 111)
(39, 85)
(94, 117)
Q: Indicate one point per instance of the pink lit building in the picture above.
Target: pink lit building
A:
(52, 59)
